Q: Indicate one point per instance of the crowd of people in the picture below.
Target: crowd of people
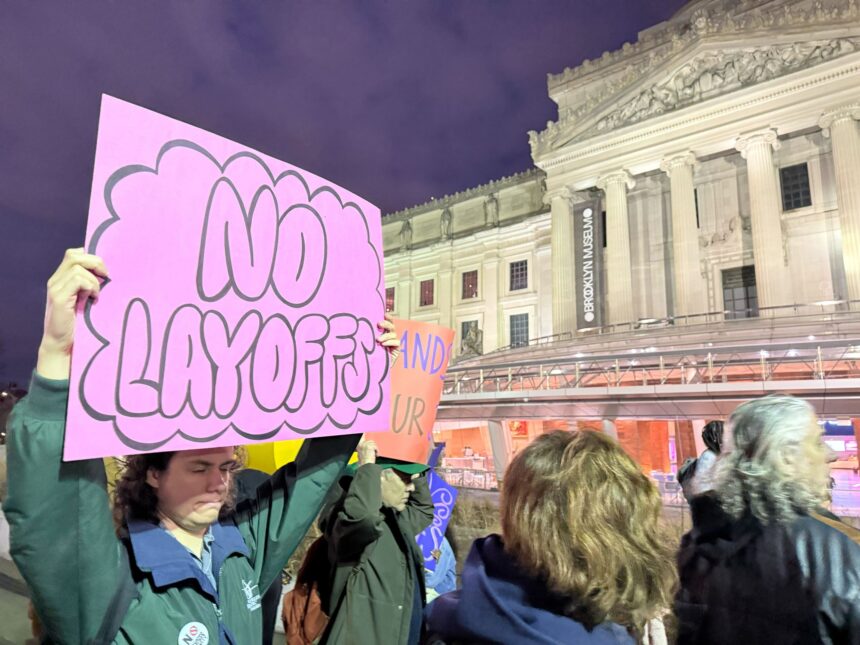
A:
(177, 556)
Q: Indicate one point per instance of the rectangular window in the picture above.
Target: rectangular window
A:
(740, 298)
(470, 284)
(389, 299)
(519, 330)
(794, 181)
(426, 293)
(519, 275)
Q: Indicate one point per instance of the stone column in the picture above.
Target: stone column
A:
(609, 428)
(444, 279)
(491, 301)
(563, 288)
(499, 440)
(689, 290)
(619, 283)
(403, 296)
(855, 424)
(698, 426)
(443, 290)
(773, 282)
(841, 126)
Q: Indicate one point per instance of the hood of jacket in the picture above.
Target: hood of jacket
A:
(500, 604)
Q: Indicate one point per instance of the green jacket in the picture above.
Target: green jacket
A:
(376, 561)
(64, 542)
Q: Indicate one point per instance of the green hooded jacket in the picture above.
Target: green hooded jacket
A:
(65, 545)
(376, 561)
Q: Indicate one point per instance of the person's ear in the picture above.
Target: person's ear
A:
(152, 476)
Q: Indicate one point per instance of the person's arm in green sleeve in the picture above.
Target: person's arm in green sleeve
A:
(274, 524)
(359, 522)
(62, 533)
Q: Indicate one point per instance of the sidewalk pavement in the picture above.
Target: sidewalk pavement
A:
(15, 628)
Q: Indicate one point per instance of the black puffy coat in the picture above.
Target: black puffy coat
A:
(745, 582)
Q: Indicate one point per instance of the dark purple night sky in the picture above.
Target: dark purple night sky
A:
(396, 100)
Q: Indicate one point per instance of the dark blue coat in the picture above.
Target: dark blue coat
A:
(500, 604)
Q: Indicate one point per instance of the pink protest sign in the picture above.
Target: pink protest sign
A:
(242, 301)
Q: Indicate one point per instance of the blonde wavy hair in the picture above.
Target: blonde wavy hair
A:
(578, 512)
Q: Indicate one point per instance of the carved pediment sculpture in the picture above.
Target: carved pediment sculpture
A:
(613, 90)
(714, 74)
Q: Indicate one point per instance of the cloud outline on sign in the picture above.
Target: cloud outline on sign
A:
(92, 247)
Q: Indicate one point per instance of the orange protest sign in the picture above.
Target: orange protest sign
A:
(416, 387)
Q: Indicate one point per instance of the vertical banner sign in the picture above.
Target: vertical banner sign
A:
(242, 301)
(588, 251)
(444, 495)
(416, 387)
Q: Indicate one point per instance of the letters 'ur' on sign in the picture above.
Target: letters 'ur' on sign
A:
(242, 303)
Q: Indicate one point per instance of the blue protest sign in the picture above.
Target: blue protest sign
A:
(444, 496)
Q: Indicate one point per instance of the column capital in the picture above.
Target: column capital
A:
(766, 137)
(561, 192)
(835, 115)
(617, 177)
(568, 193)
(677, 161)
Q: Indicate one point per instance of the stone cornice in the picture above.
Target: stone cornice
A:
(424, 245)
(722, 17)
(489, 188)
(668, 164)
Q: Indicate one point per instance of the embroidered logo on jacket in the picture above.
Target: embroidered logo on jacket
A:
(252, 595)
(193, 634)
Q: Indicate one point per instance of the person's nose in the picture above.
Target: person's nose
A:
(218, 479)
(410, 487)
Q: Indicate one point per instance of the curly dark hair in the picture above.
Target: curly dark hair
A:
(135, 499)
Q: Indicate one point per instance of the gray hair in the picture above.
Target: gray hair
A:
(765, 471)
